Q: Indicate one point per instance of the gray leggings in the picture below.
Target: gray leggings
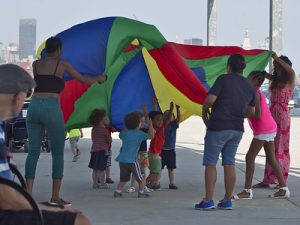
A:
(45, 113)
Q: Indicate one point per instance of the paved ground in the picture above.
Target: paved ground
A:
(173, 206)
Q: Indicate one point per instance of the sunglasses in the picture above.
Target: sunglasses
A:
(29, 93)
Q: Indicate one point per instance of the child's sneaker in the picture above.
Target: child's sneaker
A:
(156, 187)
(109, 181)
(143, 195)
(173, 187)
(130, 190)
(205, 205)
(95, 186)
(117, 194)
(147, 190)
(75, 158)
(103, 186)
(225, 204)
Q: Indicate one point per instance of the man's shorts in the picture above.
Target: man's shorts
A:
(73, 141)
(168, 158)
(154, 163)
(225, 142)
(26, 217)
(127, 168)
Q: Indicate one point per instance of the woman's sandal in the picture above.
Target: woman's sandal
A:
(283, 192)
(245, 194)
(60, 201)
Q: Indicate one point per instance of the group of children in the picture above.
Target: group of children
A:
(134, 156)
(160, 128)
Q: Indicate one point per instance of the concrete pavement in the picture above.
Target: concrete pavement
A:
(172, 206)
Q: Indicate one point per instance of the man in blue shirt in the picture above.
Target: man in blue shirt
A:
(231, 99)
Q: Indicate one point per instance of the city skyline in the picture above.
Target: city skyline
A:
(183, 20)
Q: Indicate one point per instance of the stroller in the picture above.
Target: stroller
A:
(16, 132)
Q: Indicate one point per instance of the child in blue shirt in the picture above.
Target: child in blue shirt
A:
(132, 138)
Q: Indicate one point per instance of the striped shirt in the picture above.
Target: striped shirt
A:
(100, 139)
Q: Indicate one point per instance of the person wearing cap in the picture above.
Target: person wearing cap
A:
(15, 85)
(44, 112)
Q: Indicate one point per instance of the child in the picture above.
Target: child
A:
(156, 146)
(101, 139)
(74, 136)
(132, 138)
(168, 154)
(108, 180)
(142, 154)
(264, 130)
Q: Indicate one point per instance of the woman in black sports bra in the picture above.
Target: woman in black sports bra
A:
(44, 112)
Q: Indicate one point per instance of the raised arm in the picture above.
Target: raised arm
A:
(145, 111)
(151, 130)
(170, 113)
(289, 70)
(154, 104)
(83, 79)
(178, 118)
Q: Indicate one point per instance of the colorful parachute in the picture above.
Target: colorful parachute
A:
(140, 65)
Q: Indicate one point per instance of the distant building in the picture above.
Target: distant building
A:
(27, 38)
(246, 43)
(193, 41)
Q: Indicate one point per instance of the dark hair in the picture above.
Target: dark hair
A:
(236, 63)
(132, 120)
(153, 114)
(96, 116)
(259, 76)
(280, 80)
(53, 44)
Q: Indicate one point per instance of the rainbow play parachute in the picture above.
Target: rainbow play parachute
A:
(140, 65)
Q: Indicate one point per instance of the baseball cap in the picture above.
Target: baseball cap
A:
(14, 79)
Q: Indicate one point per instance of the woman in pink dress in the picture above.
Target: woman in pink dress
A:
(281, 88)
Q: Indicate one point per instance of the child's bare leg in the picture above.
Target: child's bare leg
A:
(107, 172)
(254, 149)
(101, 177)
(120, 186)
(171, 176)
(142, 185)
(95, 177)
(133, 181)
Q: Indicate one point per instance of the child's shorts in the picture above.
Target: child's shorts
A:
(73, 141)
(168, 158)
(98, 160)
(154, 163)
(266, 137)
(126, 169)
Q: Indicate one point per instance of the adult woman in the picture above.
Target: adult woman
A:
(281, 87)
(44, 113)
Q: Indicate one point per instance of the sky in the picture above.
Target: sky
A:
(174, 18)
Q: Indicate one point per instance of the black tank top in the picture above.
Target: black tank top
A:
(48, 83)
